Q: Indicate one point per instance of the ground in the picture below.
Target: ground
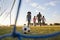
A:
(35, 30)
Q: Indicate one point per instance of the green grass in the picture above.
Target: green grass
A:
(35, 30)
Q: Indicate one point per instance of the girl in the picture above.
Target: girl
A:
(34, 20)
(43, 20)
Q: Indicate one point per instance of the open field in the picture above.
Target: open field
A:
(35, 30)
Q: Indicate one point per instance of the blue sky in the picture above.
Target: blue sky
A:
(49, 8)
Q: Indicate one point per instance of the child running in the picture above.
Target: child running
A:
(34, 20)
(43, 20)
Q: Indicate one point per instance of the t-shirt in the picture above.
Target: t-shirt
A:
(39, 16)
(34, 19)
(43, 19)
(28, 17)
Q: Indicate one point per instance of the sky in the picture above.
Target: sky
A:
(48, 8)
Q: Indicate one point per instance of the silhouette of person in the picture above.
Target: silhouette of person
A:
(34, 20)
(43, 20)
(29, 17)
(39, 18)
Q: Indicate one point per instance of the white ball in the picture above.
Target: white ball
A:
(26, 29)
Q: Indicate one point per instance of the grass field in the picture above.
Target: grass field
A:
(35, 30)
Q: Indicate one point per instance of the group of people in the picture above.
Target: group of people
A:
(41, 19)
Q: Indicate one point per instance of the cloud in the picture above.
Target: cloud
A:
(36, 10)
(55, 17)
(52, 3)
(36, 5)
(28, 1)
(55, 14)
(41, 7)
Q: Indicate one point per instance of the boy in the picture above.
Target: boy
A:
(29, 17)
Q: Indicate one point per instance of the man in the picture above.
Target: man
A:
(39, 18)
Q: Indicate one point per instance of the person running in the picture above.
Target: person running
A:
(34, 20)
(29, 17)
(43, 20)
(39, 18)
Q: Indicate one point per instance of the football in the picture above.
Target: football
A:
(26, 29)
